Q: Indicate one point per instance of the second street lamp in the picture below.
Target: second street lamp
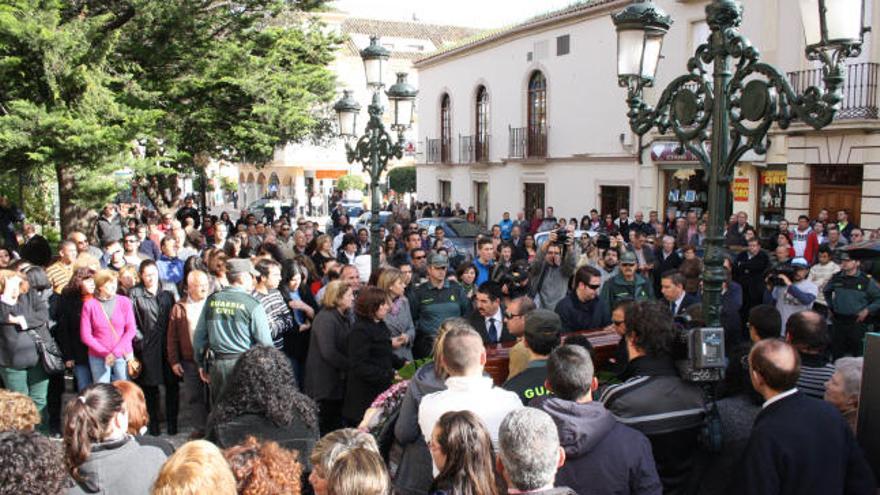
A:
(725, 104)
(374, 148)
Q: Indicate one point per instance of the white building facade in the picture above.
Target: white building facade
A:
(532, 116)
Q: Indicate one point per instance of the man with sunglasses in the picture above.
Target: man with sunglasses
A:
(627, 284)
(581, 308)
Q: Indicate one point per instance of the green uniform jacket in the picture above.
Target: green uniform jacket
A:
(617, 289)
(430, 306)
(848, 295)
(232, 321)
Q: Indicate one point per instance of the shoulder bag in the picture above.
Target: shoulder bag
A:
(47, 348)
(133, 365)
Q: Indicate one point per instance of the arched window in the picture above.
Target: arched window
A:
(481, 145)
(537, 139)
(445, 130)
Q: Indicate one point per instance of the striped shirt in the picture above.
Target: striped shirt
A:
(59, 274)
(815, 371)
(279, 315)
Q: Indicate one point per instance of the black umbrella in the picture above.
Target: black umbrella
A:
(863, 250)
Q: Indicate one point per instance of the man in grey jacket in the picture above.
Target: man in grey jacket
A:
(551, 270)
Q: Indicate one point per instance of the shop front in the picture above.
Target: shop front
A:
(684, 181)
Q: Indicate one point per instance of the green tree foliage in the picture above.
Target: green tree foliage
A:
(350, 183)
(402, 179)
(91, 86)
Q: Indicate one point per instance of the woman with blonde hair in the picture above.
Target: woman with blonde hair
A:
(414, 475)
(359, 472)
(323, 252)
(128, 278)
(198, 467)
(264, 467)
(107, 328)
(328, 354)
(332, 446)
(399, 319)
(17, 411)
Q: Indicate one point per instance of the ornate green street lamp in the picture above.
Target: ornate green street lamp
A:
(374, 148)
(721, 115)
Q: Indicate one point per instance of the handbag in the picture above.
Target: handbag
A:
(47, 349)
(134, 367)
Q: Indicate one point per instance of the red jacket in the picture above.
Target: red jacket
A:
(812, 249)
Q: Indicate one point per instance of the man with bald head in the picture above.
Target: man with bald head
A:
(181, 327)
(798, 444)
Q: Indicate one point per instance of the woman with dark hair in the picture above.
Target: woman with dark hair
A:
(348, 250)
(294, 290)
(76, 354)
(6, 257)
(100, 455)
(462, 451)
(372, 361)
(31, 464)
(152, 310)
(530, 247)
(466, 274)
(224, 217)
(262, 400)
(389, 247)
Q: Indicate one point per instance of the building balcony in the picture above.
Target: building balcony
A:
(527, 142)
(438, 150)
(859, 90)
(473, 149)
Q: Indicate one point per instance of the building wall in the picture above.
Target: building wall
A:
(589, 140)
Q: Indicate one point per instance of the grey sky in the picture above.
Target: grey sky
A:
(474, 13)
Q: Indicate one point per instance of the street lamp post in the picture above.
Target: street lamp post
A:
(733, 107)
(374, 148)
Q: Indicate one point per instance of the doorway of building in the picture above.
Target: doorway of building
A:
(534, 198)
(612, 199)
(836, 187)
(481, 192)
(446, 192)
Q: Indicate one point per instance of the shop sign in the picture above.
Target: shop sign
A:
(741, 189)
(774, 177)
(671, 152)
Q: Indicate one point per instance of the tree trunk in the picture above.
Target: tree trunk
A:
(163, 191)
(73, 217)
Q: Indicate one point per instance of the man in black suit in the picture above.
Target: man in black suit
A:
(488, 315)
(672, 287)
(748, 271)
(799, 445)
(666, 258)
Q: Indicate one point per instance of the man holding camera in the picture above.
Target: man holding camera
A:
(552, 269)
(791, 290)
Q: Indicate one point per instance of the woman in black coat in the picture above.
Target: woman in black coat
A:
(152, 309)
(372, 362)
(70, 304)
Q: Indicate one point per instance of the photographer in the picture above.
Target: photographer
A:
(552, 269)
(790, 289)
(654, 399)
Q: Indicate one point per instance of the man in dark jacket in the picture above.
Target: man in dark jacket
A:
(672, 288)
(541, 337)
(780, 457)
(655, 400)
(9, 216)
(188, 211)
(582, 309)
(626, 285)
(748, 270)
(666, 258)
(488, 315)
(109, 225)
(603, 456)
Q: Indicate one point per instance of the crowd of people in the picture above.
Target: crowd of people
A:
(299, 370)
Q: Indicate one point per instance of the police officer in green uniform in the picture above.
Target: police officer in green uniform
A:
(627, 285)
(231, 322)
(433, 302)
(852, 297)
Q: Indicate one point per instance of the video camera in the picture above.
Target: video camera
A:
(698, 351)
(773, 277)
(561, 236)
(516, 279)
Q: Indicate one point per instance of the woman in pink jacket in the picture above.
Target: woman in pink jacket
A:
(107, 328)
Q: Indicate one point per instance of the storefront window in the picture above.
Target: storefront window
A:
(686, 191)
(772, 199)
